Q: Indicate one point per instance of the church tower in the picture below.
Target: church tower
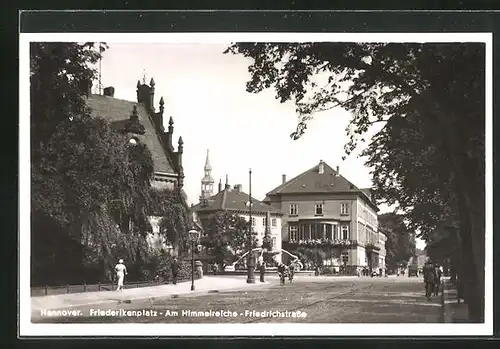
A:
(207, 183)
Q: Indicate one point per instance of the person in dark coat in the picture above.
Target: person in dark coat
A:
(437, 284)
(429, 279)
(262, 269)
(175, 270)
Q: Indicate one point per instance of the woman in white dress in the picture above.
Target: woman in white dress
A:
(121, 271)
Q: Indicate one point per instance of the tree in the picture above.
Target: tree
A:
(169, 205)
(227, 236)
(400, 244)
(84, 174)
(429, 156)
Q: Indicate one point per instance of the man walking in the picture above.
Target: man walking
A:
(439, 273)
(121, 271)
(429, 279)
(175, 270)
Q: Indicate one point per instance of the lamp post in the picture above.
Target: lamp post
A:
(193, 237)
(250, 259)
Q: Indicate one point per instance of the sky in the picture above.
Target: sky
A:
(205, 93)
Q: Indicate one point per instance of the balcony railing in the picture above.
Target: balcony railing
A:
(323, 242)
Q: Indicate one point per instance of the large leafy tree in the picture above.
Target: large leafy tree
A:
(83, 173)
(400, 244)
(226, 236)
(429, 156)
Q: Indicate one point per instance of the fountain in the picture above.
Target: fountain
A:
(262, 251)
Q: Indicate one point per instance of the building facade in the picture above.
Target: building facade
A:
(324, 211)
(139, 122)
(234, 200)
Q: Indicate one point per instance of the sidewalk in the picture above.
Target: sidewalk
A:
(454, 312)
(208, 284)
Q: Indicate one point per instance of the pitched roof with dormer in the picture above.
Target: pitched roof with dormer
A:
(117, 111)
(140, 119)
(233, 199)
(315, 181)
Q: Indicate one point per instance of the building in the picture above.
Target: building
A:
(236, 201)
(139, 122)
(322, 210)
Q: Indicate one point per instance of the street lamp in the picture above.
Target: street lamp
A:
(250, 259)
(193, 237)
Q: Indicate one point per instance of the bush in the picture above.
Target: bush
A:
(164, 270)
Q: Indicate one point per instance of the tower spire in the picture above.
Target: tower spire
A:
(207, 182)
(208, 167)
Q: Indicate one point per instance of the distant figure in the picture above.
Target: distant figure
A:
(175, 270)
(282, 273)
(214, 268)
(121, 271)
(291, 271)
(437, 284)
(316, 270)
(429, 279)
(262, 269)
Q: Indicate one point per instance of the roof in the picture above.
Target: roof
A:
(314, 182)
(117, 111)
(234, 200)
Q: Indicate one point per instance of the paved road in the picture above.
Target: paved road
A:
(312, 299)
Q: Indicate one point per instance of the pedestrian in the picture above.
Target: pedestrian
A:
(282, 273)
(262, 269)
(437, 285)
(214, 268)
(121, 271)
(429, 279)
(175, 270)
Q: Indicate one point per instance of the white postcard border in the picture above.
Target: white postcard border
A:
(26, 328)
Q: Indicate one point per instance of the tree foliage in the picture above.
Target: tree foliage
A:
(400, 244)
(428, 157)
(91, 189)
(227, 236)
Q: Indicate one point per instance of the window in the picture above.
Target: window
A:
(293, 210)
(345, 232)
(319, 209)
(253, 221)
(293, 230)
(274, 242)
(264, 221)
(344, 208)
(273, 222)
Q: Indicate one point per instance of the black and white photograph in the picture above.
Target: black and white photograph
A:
(256, 184)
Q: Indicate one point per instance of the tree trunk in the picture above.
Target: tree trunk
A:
(472, 245)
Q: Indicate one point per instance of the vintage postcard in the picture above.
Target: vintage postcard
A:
(327, 184)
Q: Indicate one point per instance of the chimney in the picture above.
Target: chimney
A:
(283, 178)
(321, 168)
(227, 186)
(109, 91)
(237, 187)
(220, 185)
(338, 173)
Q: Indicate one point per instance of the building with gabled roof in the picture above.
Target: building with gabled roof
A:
(321, 209)
(141, 123)
(235, 200)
